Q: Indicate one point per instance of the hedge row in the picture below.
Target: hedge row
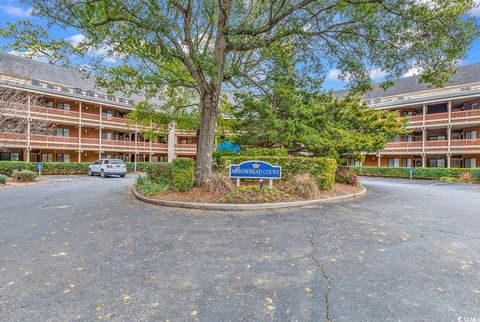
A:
(322, 168)
(7, 167)
(418, 173)
(183, 173)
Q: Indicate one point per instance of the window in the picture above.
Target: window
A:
(106, 156)
(63, 157)
(9, 156)
(406, 138)
(472, 106)
(106, 136)
(164, 158)
(406, 163)
(470, 163)
(438, 138)
(355, 162)
(47, 157)
(456, 135)
(63, 106)
(436, 163)
(471, 135)
(49, 104)
(154, 158)
(394, 163)
(396, 138)
(114, 161)
(407, 113)
(63, 132)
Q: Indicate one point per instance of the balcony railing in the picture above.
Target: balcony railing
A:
(52, 141)
(186, 148)
(457, 117)
(440, 146)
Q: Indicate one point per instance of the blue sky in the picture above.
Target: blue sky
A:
(14, 10)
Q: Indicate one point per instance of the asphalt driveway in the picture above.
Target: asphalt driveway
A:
(83, 249)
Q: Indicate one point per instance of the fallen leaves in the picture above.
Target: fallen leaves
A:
(125, 298)
(308, 290)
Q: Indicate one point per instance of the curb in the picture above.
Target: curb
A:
(243, 207)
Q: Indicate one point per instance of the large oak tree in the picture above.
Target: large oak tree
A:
(207, 45)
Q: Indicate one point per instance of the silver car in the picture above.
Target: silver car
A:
(106, 167)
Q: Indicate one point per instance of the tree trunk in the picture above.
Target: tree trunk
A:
(206, 137)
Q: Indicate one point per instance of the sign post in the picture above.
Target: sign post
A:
(255, 170)
(39, 167)
(410, 172)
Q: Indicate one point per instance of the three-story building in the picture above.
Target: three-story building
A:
(444, 122)
(87, 123)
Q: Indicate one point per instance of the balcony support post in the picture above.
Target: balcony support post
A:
(100, 135)
(171, 142)
(150, 141)
(424, 113)
(29, 102)
(424, 138)
(424, 161)
(135, 156)
(449, 106)
(79, 159)
(449, 142)
(379, 159)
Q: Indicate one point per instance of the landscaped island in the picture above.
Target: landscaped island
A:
(303, 178)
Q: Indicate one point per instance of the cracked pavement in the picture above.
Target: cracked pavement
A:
(83, 249)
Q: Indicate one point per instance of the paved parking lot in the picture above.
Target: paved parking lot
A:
(82, 248)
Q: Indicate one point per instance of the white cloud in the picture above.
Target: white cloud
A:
(16, 11)
(334, 74)
(75, 39)
(476, 8)
(412, 72)
(29, 54)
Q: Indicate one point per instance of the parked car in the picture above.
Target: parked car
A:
(107, 167)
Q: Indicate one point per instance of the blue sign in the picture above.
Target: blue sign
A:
(255, 170)
(40, 166)
(410, 171)
(228, 146)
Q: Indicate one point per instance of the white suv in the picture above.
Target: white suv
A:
(106, 167)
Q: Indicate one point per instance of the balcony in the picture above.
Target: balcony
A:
(72, 143)
(189, 149)
(441, 146)
(458, 117)
(403, 147)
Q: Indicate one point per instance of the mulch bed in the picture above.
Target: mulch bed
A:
(199, 195)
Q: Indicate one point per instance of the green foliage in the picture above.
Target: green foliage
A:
(161, 173)
(303, 185)
(24, 175)
(149, 187)
(183, 174)
(277, 152)
(418, 173)
(346, 176)
(3, 179)
(33, 41)
(63, 168)
(251, 194)
(323, 169)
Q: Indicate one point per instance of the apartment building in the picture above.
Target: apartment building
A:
(86, 123)
(444, 122)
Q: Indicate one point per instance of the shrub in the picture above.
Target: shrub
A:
(273, 152)
(346, 176)
(418, 173)
(303, 185)
(24, 175)
(252, 194)
(160, 172)
(3, 179)
(219, 184)
(183, 174)
(466, 177)
(323, 169)
(148, 187)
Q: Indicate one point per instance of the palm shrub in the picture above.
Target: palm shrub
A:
(303, 185)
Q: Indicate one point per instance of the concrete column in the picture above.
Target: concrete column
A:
(425, 110)
(79, 132)
(379, 160)
(424, 139)
(29, 103)
(100, 135)
(424, 161)
(449, 106)
(135, 156)
(449, 156)
(449, 144)
(171, 142)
